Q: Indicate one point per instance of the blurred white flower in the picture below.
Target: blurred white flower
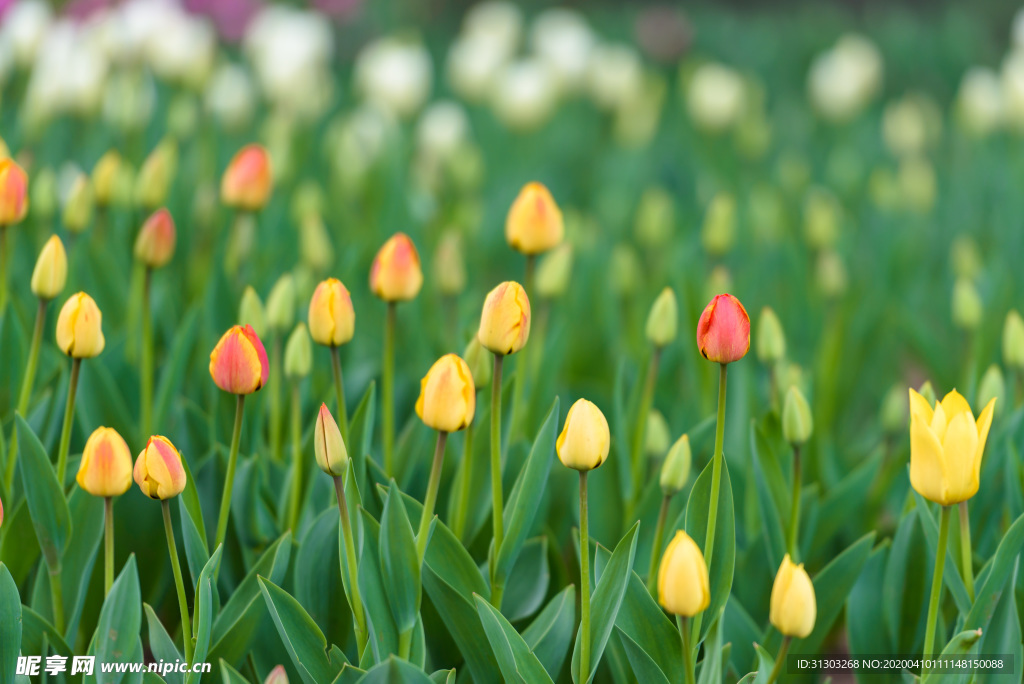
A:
(562, 38)
(184, 49)
(715, 97)
(128, 99)
(911, 124)
(473, 65)
(129, 30)
(525, 94)
(230, 95)
(1012, 79)
(442, 128)
(918, 184)
(845, 78)
(356, 141)
(614, 75)
(394, 74)
(637, 119)
(25, 25)
(68, 74)
(498, 23)
(979, 101)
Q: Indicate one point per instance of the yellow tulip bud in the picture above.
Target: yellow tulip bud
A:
(298, 353)
(251, 313)
(991, 387)
(771, 339)
(395, 275)
(78, 205)
(332, 320)
(719, 232)
(480, 363)
(106, 467)
(1013, 340)
(505, 321)
(553, 271)
(154, 246)
(675, 470)
(281, 304)
(158, 170)
(585, 439)
(967, 306)
(663, 319)
(158, 469)
(946, 446)
(450, 265)
(447, 398)
(104, 178)
(793, 609)
(51, 271)
(657, 435)
(534, 223)
(894, 410)
(331, 453)
(683, 584)
(79, 327)
(797, 420)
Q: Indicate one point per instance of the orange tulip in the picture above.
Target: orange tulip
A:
(396, 275)
(534, 223)
(106, 468)
(248, 180)
(238, 364)
(13, 193)
(158, 469)
(154, 246)
(723, 331)
(332, 320)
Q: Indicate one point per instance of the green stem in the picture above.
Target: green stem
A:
(496, 494)
(716, 483)
(26, 391)
(522, 365)
(638, 460)
(794, 518)
(465, 487)
(108, 544)
(69, 415)
(146, 360)
(57, 599)
(584, 583)
(276, 450)
(3, 268)
(339, 388)
(388, 390)
(779, 660)
(933, 603)
(965, 549)
(296, 430)
(179, 585)
(353, 567)
(405, 644)
(659, 535)
(229, 479)
(683, 623)
(433, 484)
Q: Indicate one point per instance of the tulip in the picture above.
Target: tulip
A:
(675, 471)
(771, 339)
(154, 245)
(277, 676)
(315, 243)
(281, 304)
(534, 223)
(893, 414)
(718, 234)
(331, 454)
(553, 272)
(13, 207)
(332, 322)
(1013, 340)
(248, 181)
(298, 354)
(683, 585)
(78, 205)
(450, 265)
(160, 475)
(106, 471)
(105, 177)
(251, 312)
(479, 362)
(991, 387)
(662, 321)
(505, 320)
(657, 442)
(793, 609)
(153, 182)
(967, 306)
(797, 426)
(43, 195)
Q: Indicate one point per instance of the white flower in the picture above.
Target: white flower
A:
(128, 99)
(525, 94)
(394, 74)
(131, 30)
(715, 97)
(473, 65)
(1012, 79)
(844, 79)
(68, 74)
(230, 95)
(184, 49)
(563, 39)
(356, 141)
(498, 23)
(24, 27)
(442, 128)
(911, 124)
(980, 101)
(615, 75)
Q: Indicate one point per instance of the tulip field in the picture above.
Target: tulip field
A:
(360, 342)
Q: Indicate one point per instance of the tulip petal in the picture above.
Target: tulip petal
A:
(959, 447)
(954, 404)
(939, 422)
(919, 406)
(984, 424)
(927, 463)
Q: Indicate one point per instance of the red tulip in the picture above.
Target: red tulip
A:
(723, 331)
(238, 364)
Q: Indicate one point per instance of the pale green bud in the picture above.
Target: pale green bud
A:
(315, 243)
(928, 392)
(719, 282)
(450, 265)
(992, 386)
(43, 189)
(553, 271)
(1013, 340)
(78, 205)
(624, 270)
(281, 304)
(480, 362)
(675, 471)
(965, 257)
(797, 421)
(250, 312)
(822, 216)
(298, 353)
(894, 412)
(241, 241)
(657, 435)
(154, 179)
(183, 116)
(719, 232)
(967, 307)
(663, 320)
(308, 199)
(831, 274)
(771, 340)
(655, 218)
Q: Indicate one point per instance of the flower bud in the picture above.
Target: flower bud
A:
(553, 271)
(797, 420)
(893, 414)
(585, 439)
(447, 398)
(281, 304)
(991, 387)
(534, 223)
(248, 180)
(331, 453)
(332, 320)
(1013, 340)
(298, 353)
(238, 364)
(719, 232)
(105, 178)
(965, 257)
(44, 194)
(625, 270)
(450, 265)
(657, 435)
(719, 280)
(792, 608)
(771, 340)
(675, 470)
(967, 307)
(663, 320)
(154, 246)
(315, 243)
(79, 327)
(106, 466)
(822, 215)
(655, 218)
(830, 273)
(928, 392)
(277, 676)
(51, 271)
(13, 192)
(480, 362)
(78, 205)
(505, 321)
(723, 331)
(683, 584)
(251, 313)
(154, 180)
(158, 469)
(395, 275)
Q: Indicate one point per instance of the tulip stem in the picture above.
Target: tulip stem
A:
(659, 535)
(57, 599)
(716, 482)
(296, 430)
(496, 494)
(339, 388)
(794, 518)
(779, 660)
(465, 487)
(433, 484)
(229, 478)
(584, 583)
(3, 268)
(275, 398)
(108, 544)
(146, 359)
(933, 603)
(26, 391)
(640, 431)
(69, 414)
(388, 390)
(353, 567)
(179, 585)
(965, 549)
(522, 365)
(683, 623)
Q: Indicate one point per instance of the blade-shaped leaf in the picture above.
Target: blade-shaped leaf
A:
(120, 619)
(551, 632)
(10, 626)
(517, 662)
(44, 496)
(399, 564)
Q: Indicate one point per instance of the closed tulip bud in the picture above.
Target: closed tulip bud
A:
(480, 363)
(79, 327)
(534, 223)
(967, 307)
(675, 470)
(625, 270)
(281, 304)
(723, 331)
(298, 353)
(771, 340)
(251, 312)
(78, 205)
(106, 466)
(928, 392)
(657, 435)
(793, 608)
(277, 676)
(395, 275)
(44, 194)
(51, 270)
(683, 584)
(553, 272)
(585, 439)
(719, 232)
(154, 246)
(154, 179)
(655, 218)
(332, 320)
(1013, 340)
(447, 398)
(13, 192)
(248, 180)
(946, 446)
(315, 243)
(331, 453)
(894, 410)
(965, 257)
(991, 387)
(830, 274)
(663, 320)
(105, 178)
(797, 420)
(719, 280)
(159, 471)
(505, 321)
(450, 265)
(238, 364)
(822, 215)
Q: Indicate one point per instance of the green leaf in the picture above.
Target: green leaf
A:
(1000, 567)
(395, 671)
(443, 676)
(383, 634)
(711, 672)
(832, 584)
(44, 496)
(463, 623)
(18, 545)
(960, 645)
(120, 619)
(399, 564)
(10, 626)
(644, 623)
(196, 555)
(903, 593)
(36, 630)
(161, 645)
(230, 675)
(305, 643)
(81, 553)
(605, 603)
(865, 618)
(528, 582)
(360, 436)
(203, 622)
(173, 374)
(1003, 634)
(551, 632)
(643, 666)
(768, 479)
(517, 662)
(190, 500)
(317, 578)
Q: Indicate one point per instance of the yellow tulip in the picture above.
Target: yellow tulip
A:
(585, 439)
(332, 320)
(793, 608)
(79, 327)
(683, 584)
(534, 223)
(328, 445)
(106, 468)
(505, 320)
(447, 398)
(51, 271)
(946, 445)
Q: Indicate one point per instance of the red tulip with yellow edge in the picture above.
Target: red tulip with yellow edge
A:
(332, 323)
(106, 471)
(13, 207)
(505, 320)
(248, 181)
(154, 245)
(534, 223)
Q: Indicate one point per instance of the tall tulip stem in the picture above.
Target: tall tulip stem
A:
(933, 602)
(638, 460)
(433, 484)
(146, 359)
(584, 583)
(496, 494)
(779, 660)
(794, 517)
(274, 399)
(522, 364)
(69, 415)
(179, 584)
(108, 544)
(684, 632)
(388, 390)
(659, 535)
(965, 549)
(57, 599)
(229, 478)
(3, 268)
(25, 394)
(465, 487)
(351, 559)
(296, 435)
(339, 389)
